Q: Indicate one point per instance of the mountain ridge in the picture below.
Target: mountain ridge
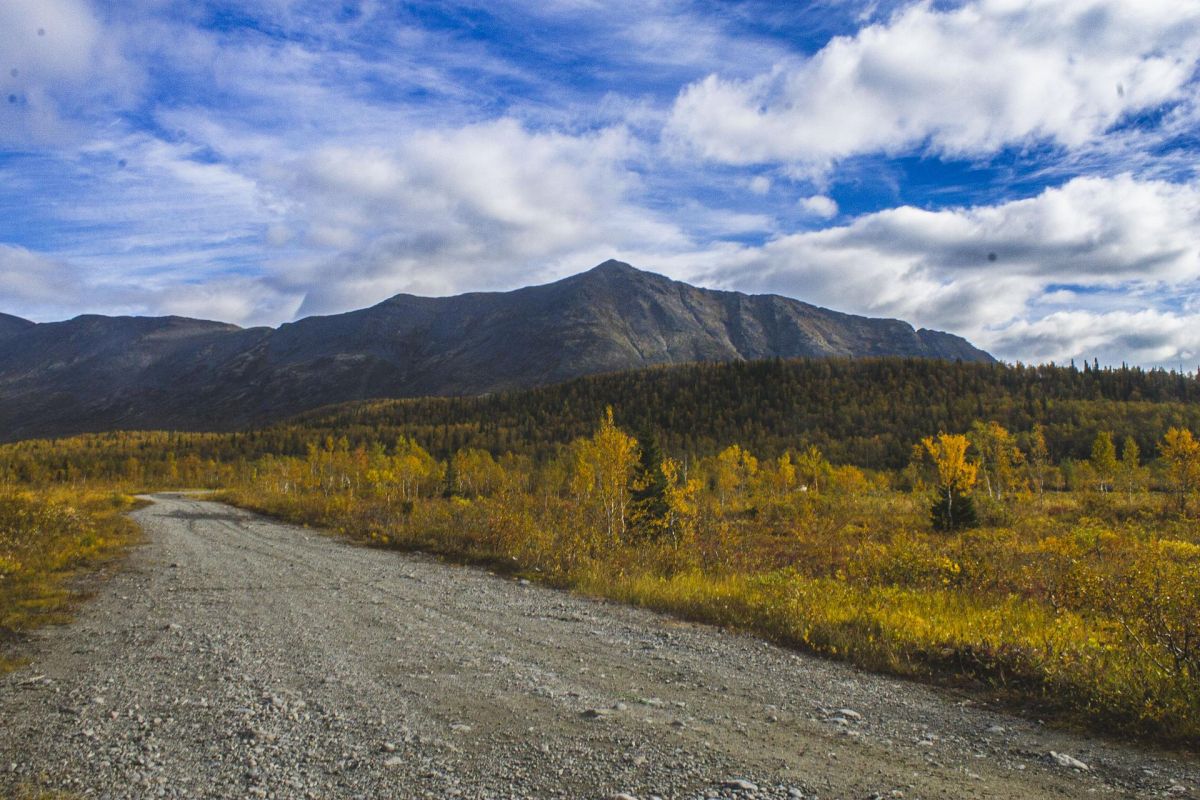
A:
(95, 372)
(11, 326)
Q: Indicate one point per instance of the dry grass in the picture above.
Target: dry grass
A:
(48, 538)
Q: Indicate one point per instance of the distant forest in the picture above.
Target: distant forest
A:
(865, 412)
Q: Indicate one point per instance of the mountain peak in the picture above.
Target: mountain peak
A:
(613, 265)
(614, 268)
(187, 374)
(621, 277)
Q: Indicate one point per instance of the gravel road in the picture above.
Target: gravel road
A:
(233, 656)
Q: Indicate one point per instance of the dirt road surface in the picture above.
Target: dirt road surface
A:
(234, 656)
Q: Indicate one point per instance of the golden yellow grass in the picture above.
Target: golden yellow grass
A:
(48, 539)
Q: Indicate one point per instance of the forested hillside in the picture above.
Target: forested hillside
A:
(865, 412)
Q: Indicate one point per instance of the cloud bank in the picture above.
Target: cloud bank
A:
(1022, 173)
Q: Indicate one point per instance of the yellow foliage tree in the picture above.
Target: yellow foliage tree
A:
(1181, 454)
(682, 504)
(848, 480)
(476, 473)
(1039, 458)
(782, 479)
(949, 454)
(413, 468)
(603, 466)
(956, 477)
(999, 457)
(1133, 474)
(1104, 462)
(812, 468)
(732, 469)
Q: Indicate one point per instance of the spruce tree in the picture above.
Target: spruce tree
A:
(649, 498)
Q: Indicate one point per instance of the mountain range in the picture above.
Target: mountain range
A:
(98, 373)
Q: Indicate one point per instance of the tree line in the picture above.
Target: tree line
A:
(864, 412)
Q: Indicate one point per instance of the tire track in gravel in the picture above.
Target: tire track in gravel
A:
(235, 656)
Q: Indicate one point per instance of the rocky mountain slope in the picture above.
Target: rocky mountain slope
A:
(11, 326)
(95, 372)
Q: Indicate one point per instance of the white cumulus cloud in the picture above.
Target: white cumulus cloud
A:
(486, 206)
(820, 205)
(1138, 337)
(961, 82)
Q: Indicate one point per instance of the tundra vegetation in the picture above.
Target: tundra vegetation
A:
(1055, 565)
(49, 536)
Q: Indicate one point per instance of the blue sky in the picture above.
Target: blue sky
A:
(1021, 172)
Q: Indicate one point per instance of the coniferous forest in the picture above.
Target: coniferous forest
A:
(864, 412)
